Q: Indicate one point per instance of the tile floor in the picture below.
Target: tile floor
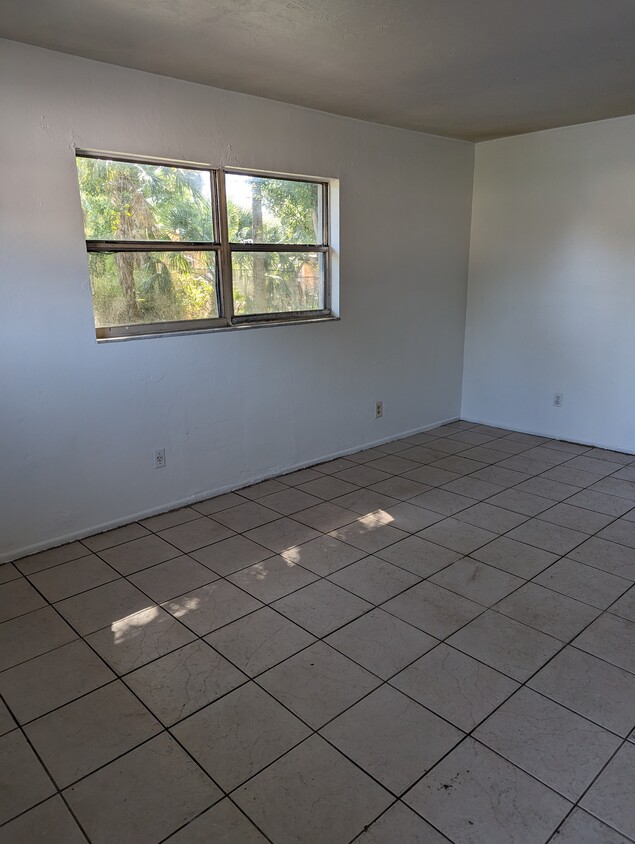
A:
(432, 640)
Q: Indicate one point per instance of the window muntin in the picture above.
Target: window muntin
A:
(178, 247)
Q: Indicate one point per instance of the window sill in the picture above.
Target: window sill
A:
(225, 328)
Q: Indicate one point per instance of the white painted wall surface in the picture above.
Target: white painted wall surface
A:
(551, 294)
(79, 421)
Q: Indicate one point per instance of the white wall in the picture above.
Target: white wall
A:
(79, 421)
(551, 295)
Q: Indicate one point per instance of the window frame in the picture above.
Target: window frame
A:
(223, 248)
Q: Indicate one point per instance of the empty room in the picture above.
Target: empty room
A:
(317, 422)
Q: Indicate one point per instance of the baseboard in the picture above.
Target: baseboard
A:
(25, 551)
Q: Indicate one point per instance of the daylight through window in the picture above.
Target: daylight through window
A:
(180, 247)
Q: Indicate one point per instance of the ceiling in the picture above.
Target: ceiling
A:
(471, 69)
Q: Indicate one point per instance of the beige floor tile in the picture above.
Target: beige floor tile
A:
(393, 464)
(401, 824)
(9, 572)
(237, 736)
(118, 536)
(488, 517)
(506, 645)
(73, 577)
(290, 500)
(218, 503)
(584, 583)
(611, 638)
(418, 556)
(259, 640)
(23, 780)
(262, 489)
(455, 686)
(391, 737)
(272, 578)
(548, 489)
(622, 531)
(327, 487)
(342, 798)
(144, 796)
(477, 581)
(282, 534)
(599, 502)
(458, 536)
(170, 519)
(374, 580)
(222, 823)
(363, 475)
(91, 731)
(401, 488)
(547, 611)
(558, 747)
(230, 555)
(49, 822)
(473, 487)
(474, 796)
(139, 554)
(443, 501)
(625, 606)
(178, 684)
(18, 597)
(172, 578)
(608, 556)
(515, 557)
(321, 607)
(549, 537)
(521, 502)
(325, 516)
(591, 687)
(211, 606)
(369, 534)
(433, 609)
(35, 687)
(582, 828)
(381, 642)
(610, 798)
(137, 639)
(51, 557)
(246, 516)
(105, 605)
(7, 722)
(195, 534)
(31, 635)
(318, 683)
(576, 518)
(365, 501)
(409, 517)
(323, 555)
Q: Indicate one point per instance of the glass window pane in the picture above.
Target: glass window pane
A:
(132, 201)
(265, 210)
(144, 287)
(277, 282)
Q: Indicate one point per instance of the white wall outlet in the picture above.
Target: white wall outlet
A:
(557, 399)
(159, 458)
(379, 409)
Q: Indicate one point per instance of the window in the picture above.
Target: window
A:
(175, 247)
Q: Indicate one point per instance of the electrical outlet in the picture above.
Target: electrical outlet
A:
(557, 399)
(159, 458)
(379, 409)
